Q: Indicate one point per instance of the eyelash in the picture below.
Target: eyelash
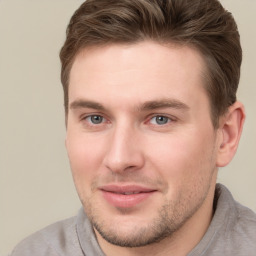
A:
(91, 116)
(167, 120)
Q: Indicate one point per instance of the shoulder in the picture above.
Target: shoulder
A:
(236, 234)
(232, 230)
(58, 239)
(241, 221)
(244, 228)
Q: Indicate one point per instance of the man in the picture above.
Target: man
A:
(151, 114)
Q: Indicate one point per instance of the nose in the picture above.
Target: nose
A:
(124, 151)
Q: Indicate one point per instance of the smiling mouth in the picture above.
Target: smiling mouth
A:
(126, 196)
(127, 193)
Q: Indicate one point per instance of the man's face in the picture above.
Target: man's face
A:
(140, 140)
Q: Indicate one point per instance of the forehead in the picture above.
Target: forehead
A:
(137, 72)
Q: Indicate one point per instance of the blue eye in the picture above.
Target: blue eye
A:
(95, 119)
(160, 120)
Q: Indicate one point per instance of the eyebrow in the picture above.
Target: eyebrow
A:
(86, 104)
(146, 106)
(164, 103)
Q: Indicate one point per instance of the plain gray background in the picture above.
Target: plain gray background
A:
(36, 186)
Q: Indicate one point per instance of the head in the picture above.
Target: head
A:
(151, 114)
(203, 25)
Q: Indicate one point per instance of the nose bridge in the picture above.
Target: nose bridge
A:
(123, 151)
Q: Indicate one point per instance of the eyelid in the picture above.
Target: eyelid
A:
(171, 117)
(89, 114)
(83, 118)
(106, 119)
(167, 119)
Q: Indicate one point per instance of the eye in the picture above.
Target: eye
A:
(95, 119)
(160, 120)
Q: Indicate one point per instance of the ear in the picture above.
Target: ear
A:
(230, 129)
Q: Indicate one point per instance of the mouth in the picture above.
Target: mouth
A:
(126, 196)
(127, 193)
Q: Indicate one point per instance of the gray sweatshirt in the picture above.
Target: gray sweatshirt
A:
(232, 232)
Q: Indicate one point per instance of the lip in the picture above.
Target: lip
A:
(126, 196)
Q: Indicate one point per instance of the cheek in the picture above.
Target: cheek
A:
(186, 165)
(183, 157)
(85, 156)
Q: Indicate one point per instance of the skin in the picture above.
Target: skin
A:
(139, 118)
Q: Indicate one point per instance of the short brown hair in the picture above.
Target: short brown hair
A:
(203, 24)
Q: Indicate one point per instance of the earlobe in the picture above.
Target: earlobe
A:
(231, 126)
